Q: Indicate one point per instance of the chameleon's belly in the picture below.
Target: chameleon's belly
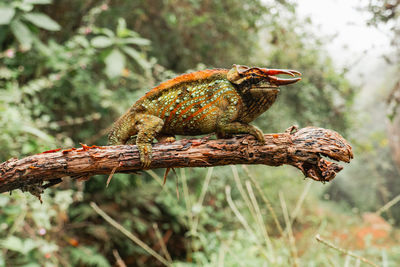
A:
(194, 109)
(207, 125)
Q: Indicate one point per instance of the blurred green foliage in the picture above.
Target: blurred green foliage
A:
(387, 13)
(374, 177)
(69, 68)
(185, 33)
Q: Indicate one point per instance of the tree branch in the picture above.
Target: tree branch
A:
(302, 149)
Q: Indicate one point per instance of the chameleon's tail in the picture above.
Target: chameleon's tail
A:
(112, 137)
(122, 129)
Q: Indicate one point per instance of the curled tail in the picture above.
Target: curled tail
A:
(122, 129)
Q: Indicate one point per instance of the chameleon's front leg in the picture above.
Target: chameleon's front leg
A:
(241, 128)
(148, 127)
(226, 127)
(165, 138)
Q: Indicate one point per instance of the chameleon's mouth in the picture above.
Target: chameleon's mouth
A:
(264, 89)
(281, 81)
(271, 88)
(264, 86)
(272, 83)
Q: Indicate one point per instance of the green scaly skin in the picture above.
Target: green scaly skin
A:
(217, 101)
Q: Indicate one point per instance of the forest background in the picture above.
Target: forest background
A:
(69, 68)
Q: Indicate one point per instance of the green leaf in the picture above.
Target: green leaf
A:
(115, 63)
(88, 256)
(16, 244)
(38, 133)
(28, 245)
(33, 264)
(122, 31)
(22, 6)
(136, 41)
(42, 21)
(138, 57)
(81, 40)
(3, 202)
(101, 42)
(105, 31)
(12, 243)
(6, 15)
(22, 33)
(38, 2)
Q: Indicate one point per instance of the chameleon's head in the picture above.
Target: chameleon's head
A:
(260, 79)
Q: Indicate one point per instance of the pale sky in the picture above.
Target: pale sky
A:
(342, 18)
(365, 46)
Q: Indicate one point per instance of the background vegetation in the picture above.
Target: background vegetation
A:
(69, 68)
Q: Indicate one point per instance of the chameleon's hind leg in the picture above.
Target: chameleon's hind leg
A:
(131, 140)
(148, 127)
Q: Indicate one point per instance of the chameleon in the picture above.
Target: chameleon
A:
(221, 101)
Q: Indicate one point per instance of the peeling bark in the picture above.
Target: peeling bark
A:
(302, 149)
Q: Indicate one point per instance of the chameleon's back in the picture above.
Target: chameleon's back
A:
(190, 106)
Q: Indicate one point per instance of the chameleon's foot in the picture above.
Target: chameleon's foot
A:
(221, 135)
(166, 139)
(131, 140)
(241, 128)
(258, 134)
(145, 152)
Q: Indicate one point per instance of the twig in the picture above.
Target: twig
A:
(205, 186)
(260, 221)
(289, 229)
(221, 256)
(242, 220)
(155, 177)
(266, 200)
(188, 203)
(119, 261)
(388, 205)
(162, 243)
(243, 192)
(300, 202)
(177, 186)
(111, 175)
(344, 251)
(128, 234)
(201, 199)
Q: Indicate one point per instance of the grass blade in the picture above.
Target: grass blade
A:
(132, 237)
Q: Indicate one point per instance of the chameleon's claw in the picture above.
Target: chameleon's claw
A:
(145, 152)
(146, 161)
(131, 140)
(166, 139)
(257, 133)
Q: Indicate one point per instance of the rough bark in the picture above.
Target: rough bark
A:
(302, 149)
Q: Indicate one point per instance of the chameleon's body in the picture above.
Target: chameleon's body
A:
(218, 100)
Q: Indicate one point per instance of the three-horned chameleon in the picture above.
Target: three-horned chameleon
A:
(215, 100)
